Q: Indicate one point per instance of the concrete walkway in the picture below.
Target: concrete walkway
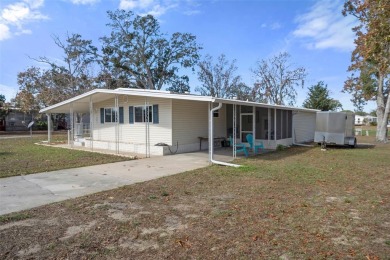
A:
(29, 191)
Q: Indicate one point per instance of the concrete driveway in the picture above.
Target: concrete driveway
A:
(29, 191)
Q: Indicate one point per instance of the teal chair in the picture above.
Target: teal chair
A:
(239, 147)
(260, 145)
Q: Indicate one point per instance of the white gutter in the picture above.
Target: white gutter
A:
(211, 139)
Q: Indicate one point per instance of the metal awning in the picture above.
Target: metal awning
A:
(81, 103)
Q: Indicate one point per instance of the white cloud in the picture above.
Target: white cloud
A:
(143, 7)
(15, 13)
(132, 4)
(23, 31)
(14, 17)
(84, 2)
(4, 32)
(34, 4)
(158, 10)
(272, 26)
(127, 4)
(323, 27)
(192, 12)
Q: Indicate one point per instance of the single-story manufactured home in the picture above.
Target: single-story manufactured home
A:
(365, 120)
(155, 122)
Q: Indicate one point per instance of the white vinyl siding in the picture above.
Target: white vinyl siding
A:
(190, 121)
(304, 124)
(220, 126)
(135, 133)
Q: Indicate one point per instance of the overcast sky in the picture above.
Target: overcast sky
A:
(315, 33)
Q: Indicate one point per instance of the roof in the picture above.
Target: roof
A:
(81, 103)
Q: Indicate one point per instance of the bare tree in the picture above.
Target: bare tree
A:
(277, 80)
(219, 79)
(73, 75)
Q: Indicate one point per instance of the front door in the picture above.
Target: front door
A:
(246, 126)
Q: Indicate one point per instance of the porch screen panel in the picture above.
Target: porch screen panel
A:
(261, 123)
(278, 124)
(271, 122)
(289, 116)
(285, 124)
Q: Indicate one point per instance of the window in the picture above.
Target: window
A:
(143, 114)
(110, 115)
(216, 114)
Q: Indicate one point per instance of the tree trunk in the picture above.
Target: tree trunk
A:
(382, 113)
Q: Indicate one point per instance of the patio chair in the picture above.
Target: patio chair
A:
(260, 145)
(240, 147)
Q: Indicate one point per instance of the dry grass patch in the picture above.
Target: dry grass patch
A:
(300, 203)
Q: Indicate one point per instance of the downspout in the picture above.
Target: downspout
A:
(211, 138)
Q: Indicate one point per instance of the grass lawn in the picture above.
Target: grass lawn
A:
(299, 203)
(19, 156)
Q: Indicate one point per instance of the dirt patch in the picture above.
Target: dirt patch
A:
(32, 249)
(74, 230)
(343, 240)
(22, 223)
(137, 245)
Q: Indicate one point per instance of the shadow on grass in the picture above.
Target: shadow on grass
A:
(279, 155)
(5, 153)
(358, 147)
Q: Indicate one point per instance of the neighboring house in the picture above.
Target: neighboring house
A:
(159, 122)
(15, 120)
(365, 120)
(371, 119)
(359, 120)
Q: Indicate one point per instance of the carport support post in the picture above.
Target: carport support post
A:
(116, 124)
(91, 118)
(48, 115)
(209, 132)
(71, 119)
(254, 129)
(234, 131)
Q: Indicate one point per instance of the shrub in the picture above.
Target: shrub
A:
(41, 125)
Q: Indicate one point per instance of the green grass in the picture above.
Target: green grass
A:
(22, 156)
(14, 217)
